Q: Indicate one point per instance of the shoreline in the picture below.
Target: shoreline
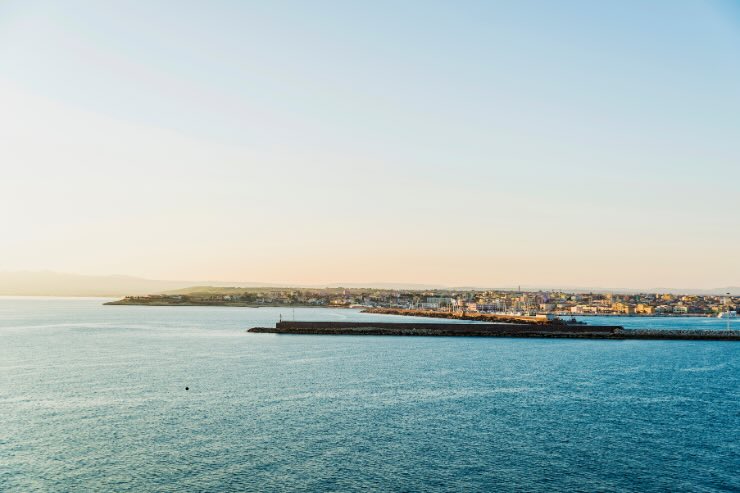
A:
(471, 316)
(517, 318)
(403, 311)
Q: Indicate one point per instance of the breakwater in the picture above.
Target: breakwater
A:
(440, 329)
(491, 330)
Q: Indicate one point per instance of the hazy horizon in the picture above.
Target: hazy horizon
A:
(47, 283)
(472, 144)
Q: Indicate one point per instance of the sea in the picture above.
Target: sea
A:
(98, 398)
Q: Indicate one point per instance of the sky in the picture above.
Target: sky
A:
(459, 143)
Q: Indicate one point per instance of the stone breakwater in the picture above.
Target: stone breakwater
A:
(697, 335)
(490, 330)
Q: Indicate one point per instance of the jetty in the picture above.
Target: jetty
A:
(481, 329)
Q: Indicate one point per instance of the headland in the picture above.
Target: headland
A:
(464, 303)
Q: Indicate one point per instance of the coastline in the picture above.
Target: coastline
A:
(520, 318)
(473, 316)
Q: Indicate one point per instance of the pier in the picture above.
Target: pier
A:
(561, 331)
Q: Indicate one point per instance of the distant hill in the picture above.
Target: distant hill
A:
(47, 283)
(238, 289)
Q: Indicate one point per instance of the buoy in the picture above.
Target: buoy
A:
(187, 388)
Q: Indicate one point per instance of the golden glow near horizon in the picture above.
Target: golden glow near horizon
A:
(341, 157)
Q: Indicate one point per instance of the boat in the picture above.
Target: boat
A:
(727, 314)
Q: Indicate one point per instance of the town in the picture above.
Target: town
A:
(515, 302)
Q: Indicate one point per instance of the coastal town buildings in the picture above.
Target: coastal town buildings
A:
(471, 301)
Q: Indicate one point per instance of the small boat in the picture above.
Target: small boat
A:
(727, 314)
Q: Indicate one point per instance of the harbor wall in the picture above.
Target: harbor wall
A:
(491, 330)
(439, 329)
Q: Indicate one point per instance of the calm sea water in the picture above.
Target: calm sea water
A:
(93, 398)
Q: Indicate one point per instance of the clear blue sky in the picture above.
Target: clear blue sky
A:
(487, 143)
